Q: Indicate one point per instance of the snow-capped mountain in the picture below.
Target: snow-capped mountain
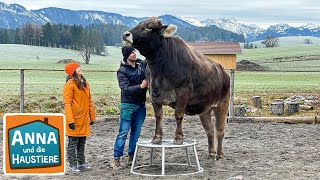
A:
(14, 15)
(82, 17)
(311, 26)
(280, 28)
(234, 25)
(253, 33)
(193, 21)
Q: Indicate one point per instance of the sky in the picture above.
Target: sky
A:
(260, 12)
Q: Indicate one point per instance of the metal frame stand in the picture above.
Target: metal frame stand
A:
(166, 144)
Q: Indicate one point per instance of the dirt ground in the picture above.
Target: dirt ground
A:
(252, 151)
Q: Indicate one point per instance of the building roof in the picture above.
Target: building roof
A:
(216, 47)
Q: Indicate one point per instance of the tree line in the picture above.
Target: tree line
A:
(87, 40)
(60, 35)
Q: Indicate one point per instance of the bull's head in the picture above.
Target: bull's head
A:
(148, 34)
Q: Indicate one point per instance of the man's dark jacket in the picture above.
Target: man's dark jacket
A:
(129, 79)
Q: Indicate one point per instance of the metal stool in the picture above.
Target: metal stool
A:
(165, 144)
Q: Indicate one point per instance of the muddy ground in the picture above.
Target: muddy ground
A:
(252, 151)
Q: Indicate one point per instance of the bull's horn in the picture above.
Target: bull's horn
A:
(169, 31)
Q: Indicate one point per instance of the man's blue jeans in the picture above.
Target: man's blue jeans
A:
(137, 119)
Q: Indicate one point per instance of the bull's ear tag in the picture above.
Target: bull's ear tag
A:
(34, 144)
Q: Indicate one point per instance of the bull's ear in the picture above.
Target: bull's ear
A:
(169, 30)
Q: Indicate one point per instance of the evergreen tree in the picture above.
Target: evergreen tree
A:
(47, 35)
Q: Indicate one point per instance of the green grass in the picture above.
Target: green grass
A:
(281, 82)
(266, 57)
(43, 89)
(263, 54)
(22, 56)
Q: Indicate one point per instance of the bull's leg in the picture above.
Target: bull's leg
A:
(220, 112)
(158, 132)
(178, 139)
(209, 128)
(181, 103)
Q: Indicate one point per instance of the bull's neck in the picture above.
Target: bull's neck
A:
(155, 51)
(151, 50)
(148, 53)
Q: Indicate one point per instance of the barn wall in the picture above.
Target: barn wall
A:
(228, 61)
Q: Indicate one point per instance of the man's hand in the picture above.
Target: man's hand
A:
(144, 84)
(71, 126)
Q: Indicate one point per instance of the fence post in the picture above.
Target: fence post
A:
(231, 111)
(21, 90)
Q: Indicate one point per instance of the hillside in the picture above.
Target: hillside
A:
(279, 58)
(290, 58)
(23, 56)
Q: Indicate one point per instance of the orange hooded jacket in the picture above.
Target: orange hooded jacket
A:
(79, 108)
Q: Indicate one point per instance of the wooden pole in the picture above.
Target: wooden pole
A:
(231, 111)
(21, 90)
(291, 120)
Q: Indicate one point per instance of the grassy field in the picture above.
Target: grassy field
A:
(21, 56)
(43, 88)
(285, 58)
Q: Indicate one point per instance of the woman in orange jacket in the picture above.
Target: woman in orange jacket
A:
(79, 111)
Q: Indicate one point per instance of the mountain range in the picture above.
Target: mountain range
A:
(15, 15)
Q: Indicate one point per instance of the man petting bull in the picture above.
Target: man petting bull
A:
(133, 84)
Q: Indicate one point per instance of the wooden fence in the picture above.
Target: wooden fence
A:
(22, 84)
(22, 72)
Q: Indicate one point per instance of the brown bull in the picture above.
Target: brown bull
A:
(182, 78)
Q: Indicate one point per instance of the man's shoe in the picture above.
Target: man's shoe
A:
(84, 167)
(75, 169)
(130, 160)
(116, 163)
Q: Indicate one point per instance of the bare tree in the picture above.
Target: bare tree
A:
(90, 42)
(270, 41)
(31, 34)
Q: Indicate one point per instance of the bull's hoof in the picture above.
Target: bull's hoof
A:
(156, 140)
(212, 156)
(219, 157)
(178, 141)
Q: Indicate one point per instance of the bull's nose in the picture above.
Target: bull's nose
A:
(126, 34)
(127, 38)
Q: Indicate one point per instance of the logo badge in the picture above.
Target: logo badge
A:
(34, 143)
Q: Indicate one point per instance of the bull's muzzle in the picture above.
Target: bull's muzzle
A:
(126, 34)
(127, 38)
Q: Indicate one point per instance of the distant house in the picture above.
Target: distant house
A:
(222, 52)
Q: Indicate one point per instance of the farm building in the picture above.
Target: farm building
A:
(222, 52)
(225, 53)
